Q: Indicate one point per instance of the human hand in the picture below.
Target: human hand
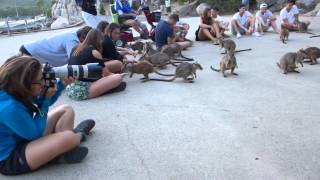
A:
(68, 80)
(51, 91)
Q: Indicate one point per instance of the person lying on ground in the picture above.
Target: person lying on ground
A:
(55, 50)
(90, 52)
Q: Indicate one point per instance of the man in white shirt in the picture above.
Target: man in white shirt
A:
(55, 50)
(290, 16)
(266, 19)
(243, 23)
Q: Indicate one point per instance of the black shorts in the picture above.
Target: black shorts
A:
(16, 163)
(23, 50)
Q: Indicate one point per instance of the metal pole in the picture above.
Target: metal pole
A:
(8, 27)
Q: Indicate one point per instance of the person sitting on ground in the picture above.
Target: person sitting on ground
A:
(31, 135)
(110, 51)
(181, 30)
(243, 22)
(265, 19)
(89, 12)
(128, 16)
(208, 28)
(223, 26)
(290, 16)
(90, 52)
(164, 33)
(55, 50)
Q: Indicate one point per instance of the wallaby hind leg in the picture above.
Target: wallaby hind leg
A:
(222, 72)
(232, 72)
(313, 61)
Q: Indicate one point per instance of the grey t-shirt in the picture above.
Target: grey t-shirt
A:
(55, 50)
(264, 16)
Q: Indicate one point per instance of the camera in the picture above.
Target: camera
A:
(88, 71)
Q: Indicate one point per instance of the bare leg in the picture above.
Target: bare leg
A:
(205, 34)
(234, 26)
(185, 44)
(104, 84)
(274, 26)
(45, 149)
(60, 119)
(260, 24)
(216, 28)
(114, 66)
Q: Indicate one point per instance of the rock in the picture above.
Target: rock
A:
(307, 4)
(67, 9)
(201, 8)
(60, 22)
(315, 12)
(189, 9)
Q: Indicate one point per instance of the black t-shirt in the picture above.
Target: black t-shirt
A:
(89, 6)
(109, 50)
(83, 58)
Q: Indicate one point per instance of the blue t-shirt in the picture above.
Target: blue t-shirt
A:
(123, 7)
(163, 31)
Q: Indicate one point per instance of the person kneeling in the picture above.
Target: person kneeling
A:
(31, 135)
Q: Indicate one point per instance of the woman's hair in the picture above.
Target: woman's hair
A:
(102, 26)
(94, 39)
(82, 32)
(205, 18)
(112, 27)
(16, 77)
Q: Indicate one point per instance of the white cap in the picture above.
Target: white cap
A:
(263, 5)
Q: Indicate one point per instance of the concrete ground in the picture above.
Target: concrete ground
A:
(262, 125)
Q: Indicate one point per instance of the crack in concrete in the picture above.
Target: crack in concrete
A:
(138, 154)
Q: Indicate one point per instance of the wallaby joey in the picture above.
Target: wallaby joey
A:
(172, 50)
(138, 46)
(228, 44)
(289, 62)
(312, 53)
(160, 60)
(228, 62)
(284, 34)
(185, 70)
(142, 67)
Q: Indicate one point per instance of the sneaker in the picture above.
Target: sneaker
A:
(238, 35)
(75, 155)
(122, 86)
(256, 34)
(85, 127)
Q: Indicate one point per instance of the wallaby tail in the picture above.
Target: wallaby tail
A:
(213, 69)
(241, 50)
(163, 74)
(314, 36)
(163, 80)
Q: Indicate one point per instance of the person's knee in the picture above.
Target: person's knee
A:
(68, 109)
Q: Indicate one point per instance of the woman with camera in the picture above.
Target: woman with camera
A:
(89, 51)
(31, 135)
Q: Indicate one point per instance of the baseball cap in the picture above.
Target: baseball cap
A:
(263, 5)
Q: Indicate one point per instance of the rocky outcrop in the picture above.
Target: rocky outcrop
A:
(189, 9)
(315, 12)
(201, 8)
(307, 5)
(66, 12)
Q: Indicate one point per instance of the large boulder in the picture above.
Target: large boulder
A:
(189, 9)
(315, 12)
(60, 22)
(307, 5)
(201, 8)
(66, 9)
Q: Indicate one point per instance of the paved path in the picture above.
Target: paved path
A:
(261, 125)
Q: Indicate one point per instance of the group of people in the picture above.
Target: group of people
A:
(244, 23)
(31, 136)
